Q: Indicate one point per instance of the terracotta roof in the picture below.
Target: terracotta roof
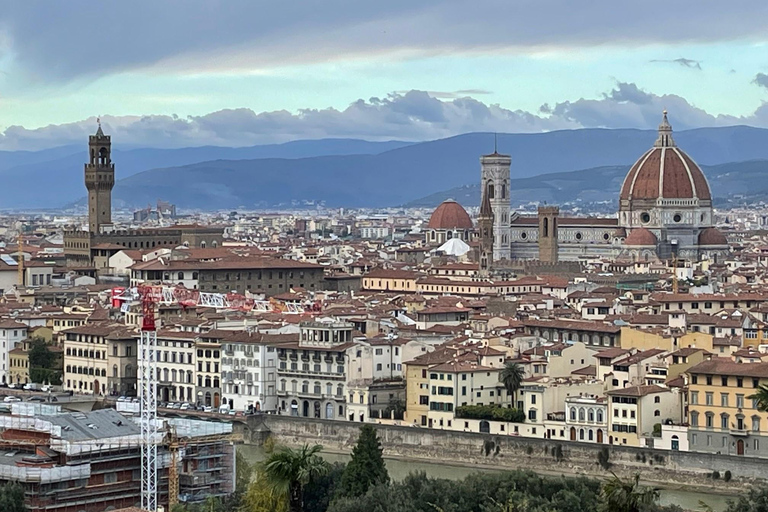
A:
(712, 236)
(723, 366)
(665, 172)
(638, 391)
(450, 215)
(640, 236)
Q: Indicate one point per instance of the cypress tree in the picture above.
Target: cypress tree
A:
(366, 468)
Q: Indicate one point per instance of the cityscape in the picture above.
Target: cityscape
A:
(449, 300)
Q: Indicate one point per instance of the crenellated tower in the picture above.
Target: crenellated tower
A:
(99, 180)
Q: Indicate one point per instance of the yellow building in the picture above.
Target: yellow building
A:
(647, 339)
(417, 385)
(680, 360)
(386, 280)
(721, 416)
(18, 364)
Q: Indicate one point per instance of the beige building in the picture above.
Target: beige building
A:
(100, 359)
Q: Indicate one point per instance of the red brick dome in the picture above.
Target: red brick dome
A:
(665, 171)
(450, 215)
(641, 237)
(712, 236)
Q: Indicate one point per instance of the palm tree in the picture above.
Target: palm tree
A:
(512, 378)
(617, 495)
(288, 470)
(762, 398)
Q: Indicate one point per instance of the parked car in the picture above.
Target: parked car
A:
(9, 399)
(207, 408)
(36, 399)
(32, 386)
(46, 388)
(13, 386)
(185, 406)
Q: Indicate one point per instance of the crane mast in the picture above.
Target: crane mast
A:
(148, 400)
(149, 296)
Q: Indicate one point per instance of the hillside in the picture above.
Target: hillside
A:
(402, 175)
(735, 181)
(356, 173)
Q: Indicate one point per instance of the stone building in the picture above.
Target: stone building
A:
(84, 249)
(268, 276)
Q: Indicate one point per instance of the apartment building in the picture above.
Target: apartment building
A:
(634, 411)
(90, 363)
(312, 373)
(249, 369)
(586, 418)
(721, 417)
(176, 369)
(208, 363)
(12, 333)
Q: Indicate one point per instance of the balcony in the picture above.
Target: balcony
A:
(739, 432)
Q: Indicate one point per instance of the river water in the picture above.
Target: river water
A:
(398, 469)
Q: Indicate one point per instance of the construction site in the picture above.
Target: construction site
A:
(74, 461)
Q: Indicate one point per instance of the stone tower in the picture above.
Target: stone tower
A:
(99, 180)
(485, 229)
(548, 248)
(494, 170)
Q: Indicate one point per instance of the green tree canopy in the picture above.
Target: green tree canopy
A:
(367, 466)
(287, 471)
(512, 377)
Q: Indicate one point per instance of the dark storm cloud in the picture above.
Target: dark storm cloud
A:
(52, 41)
(761, 79)
(682, 61)
(412, 115)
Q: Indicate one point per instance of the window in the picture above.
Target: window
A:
(710, 418)
(694, 419)
(657, 399)
(755, 424)
(724, 381)
(694, 397)
(710, 398)
(724, 399)
(724, 421)
(740, 401)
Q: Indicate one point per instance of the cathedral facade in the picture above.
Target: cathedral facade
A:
(665, 209)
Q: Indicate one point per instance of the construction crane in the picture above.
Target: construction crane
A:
(150, 296)
(174, 445)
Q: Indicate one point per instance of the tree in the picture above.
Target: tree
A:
(42, 363)
(617, 495)
(244, 474)
(287, 471)
(755, 501)
(367, 467)
(762, 398)
(260, 497)
(12, 498)
(512, 378)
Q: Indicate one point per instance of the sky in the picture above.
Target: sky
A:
(175, 73)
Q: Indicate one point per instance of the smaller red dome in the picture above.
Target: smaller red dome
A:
(640, 236)
(712, 236)
(450, 215)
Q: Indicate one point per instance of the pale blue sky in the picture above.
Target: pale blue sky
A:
(61, 64)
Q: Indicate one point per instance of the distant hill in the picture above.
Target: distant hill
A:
(730, 181)
(61, 169)
(402, 175)
(358, 173)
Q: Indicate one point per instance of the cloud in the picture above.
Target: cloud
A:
(61, 41)
(761, 79)
(682, 61)
(411, 115)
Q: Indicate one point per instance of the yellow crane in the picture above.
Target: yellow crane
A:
(174, 445)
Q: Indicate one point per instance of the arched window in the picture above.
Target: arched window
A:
(546, 227)
(504, 190)
(202, 245)
(581, 414)
(573, 414)
(214, 244)
(591, 415)
(599, 415)
(329, 411)
(181, 276)
(114, 370)
(490, 191)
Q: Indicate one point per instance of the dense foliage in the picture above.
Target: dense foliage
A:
(42, 364)
(755, 501)
(490, 413)
(12, 498)
(366, 468)
(287, 471)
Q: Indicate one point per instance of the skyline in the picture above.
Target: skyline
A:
(249, 73)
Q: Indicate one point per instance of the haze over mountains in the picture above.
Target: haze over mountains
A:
(355, 173)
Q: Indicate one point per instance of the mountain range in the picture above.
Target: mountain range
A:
(557, 166)
(731, 182)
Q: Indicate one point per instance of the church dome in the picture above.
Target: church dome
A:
(712, 236)
(641, 237)
(665, 172)
(450, 215)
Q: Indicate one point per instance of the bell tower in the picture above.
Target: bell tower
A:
(548, 237)
(99, 180)
(485, 229)
(494, 182)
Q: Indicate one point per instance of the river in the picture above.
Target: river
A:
(398, 469)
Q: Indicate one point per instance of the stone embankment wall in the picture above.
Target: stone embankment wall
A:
(667, 468)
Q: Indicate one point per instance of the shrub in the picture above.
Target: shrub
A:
(490, 412)
(715, 475)
(727, 476)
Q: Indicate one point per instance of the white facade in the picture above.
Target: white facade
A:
(494, 170)
(12, 333)
(176, 367)
(249, 376)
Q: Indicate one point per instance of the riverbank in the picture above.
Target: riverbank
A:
(687, 497)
